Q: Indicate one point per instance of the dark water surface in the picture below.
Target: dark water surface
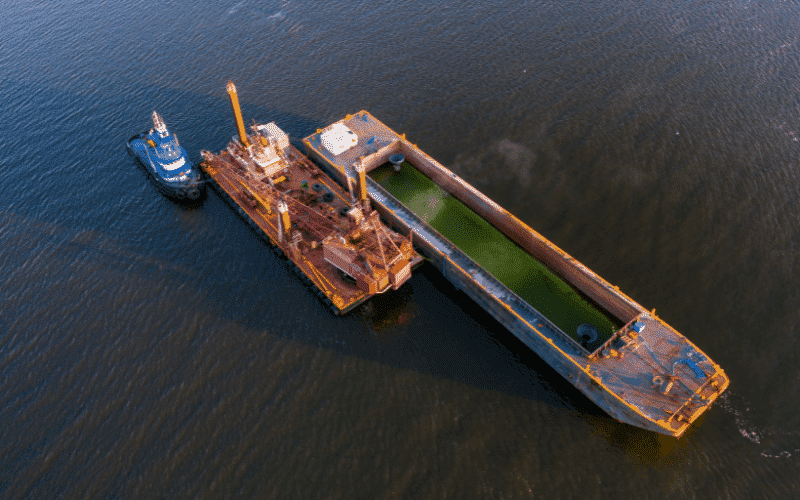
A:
(149, 350)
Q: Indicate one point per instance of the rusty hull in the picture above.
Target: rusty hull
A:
(647, 374)
(247, 197)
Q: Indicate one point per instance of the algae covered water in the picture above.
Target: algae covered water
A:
(153, 350)
(501, 257)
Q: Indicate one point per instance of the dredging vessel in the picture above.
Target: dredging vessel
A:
(334, 239)
(166, 162)
(627, 360)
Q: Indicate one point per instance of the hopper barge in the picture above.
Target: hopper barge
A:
(336, 242)
(627, 360)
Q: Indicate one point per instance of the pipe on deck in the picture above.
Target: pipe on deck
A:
(285, 223)
(361, 171)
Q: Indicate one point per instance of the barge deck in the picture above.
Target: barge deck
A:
(336, 243)
(642, 372)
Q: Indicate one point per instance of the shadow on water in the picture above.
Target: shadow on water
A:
(427, 326)
(207, 253)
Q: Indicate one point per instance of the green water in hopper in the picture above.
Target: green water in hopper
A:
(502, 258)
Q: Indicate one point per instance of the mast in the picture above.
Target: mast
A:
(237, 112)
(159, 125)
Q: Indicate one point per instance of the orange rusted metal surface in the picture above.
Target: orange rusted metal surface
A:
(646, 374)
(340, 247)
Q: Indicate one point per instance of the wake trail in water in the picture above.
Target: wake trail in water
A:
(236, 7)
(775, 442)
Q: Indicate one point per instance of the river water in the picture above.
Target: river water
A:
(150, 350)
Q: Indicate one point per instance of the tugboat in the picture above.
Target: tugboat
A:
(167, 162)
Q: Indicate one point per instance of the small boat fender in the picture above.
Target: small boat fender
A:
(587, 333)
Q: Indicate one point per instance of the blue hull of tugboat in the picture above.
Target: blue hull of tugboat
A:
(188, 191)
(167, 163)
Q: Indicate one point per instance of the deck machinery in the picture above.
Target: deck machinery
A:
(642, 371)
(335, 239)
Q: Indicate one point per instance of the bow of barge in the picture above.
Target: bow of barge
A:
(628, 361)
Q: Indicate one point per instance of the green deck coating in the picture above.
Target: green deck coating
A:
(497, 254)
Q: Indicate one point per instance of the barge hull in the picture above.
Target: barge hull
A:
(232, 191)
(337, 246)
(621, 375)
